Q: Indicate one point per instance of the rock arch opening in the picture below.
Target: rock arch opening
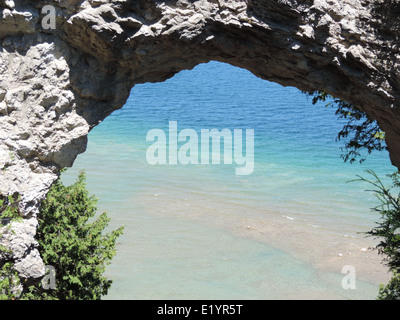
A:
(298, 186)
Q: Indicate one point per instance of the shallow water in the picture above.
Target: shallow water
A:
(202, 232)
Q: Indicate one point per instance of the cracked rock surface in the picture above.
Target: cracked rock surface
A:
(57, 84)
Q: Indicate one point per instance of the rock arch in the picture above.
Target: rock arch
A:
(57, 84)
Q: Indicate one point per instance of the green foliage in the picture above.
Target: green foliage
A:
(9, 207)
(8, 280)
(361, 133)
(388, 231)
(391, 291)
(8, 277)
(74, 246)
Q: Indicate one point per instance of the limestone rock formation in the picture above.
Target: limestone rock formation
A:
(62, 71)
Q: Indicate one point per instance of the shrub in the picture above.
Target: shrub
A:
(388, 231)
(75, 247)
(9, 282)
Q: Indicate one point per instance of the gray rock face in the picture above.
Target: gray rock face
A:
(58, 83)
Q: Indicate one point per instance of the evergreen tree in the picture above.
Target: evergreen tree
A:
(73, 245)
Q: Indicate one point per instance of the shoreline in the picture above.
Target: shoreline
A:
(327, 250)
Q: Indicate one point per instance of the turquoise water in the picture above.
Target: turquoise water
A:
(200, 231)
